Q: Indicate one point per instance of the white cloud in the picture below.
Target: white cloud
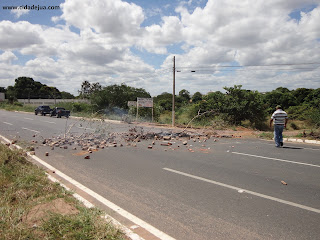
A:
(115, 18)
(19, 12)
(7, 57)
(226, 32)
(18, 35)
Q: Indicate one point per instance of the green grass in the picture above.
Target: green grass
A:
(266, 135)
(17, 107)
(23, 186)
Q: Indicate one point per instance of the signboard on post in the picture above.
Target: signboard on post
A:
(132, 103)
(144, 102)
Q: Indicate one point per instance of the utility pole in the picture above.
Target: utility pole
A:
(174, 91)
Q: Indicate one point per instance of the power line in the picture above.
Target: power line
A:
(257, 65)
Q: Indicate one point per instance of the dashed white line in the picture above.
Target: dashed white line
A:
(28, 118)
(49, 122)
(85, 128)
(8, 123)
(277, 159)
(245, 191)
(31, 130)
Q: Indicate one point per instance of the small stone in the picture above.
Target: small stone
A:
(185, 142)
(166, 138)
(65, 147)
(164, 144)
(47, 154)
(32, 153)
(87, 157)
(150, 147)
(284, 183)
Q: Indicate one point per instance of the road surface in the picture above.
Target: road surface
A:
(222, 188)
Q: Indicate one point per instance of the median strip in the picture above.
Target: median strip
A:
(241, 190)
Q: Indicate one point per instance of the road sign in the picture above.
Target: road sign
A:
(145, 102)
(132, 103)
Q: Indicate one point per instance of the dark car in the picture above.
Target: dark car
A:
(43, 110)
(59, 112)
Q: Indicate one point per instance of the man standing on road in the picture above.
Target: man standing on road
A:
(279, 119)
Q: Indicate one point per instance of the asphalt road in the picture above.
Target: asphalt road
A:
(223, 188)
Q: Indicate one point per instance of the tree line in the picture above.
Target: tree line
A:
(233, 105)
(27, 88)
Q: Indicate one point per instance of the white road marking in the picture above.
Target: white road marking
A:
(277, 159)
(245, 191)
(131, 234)
(31, 130)
(85, 128)
(106, 202)
(103, 200)
(49, 122)
(8, 123)
(28, 118)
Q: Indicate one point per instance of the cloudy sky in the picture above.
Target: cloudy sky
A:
(259, 44)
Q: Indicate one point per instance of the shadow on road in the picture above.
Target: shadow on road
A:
(292, 147)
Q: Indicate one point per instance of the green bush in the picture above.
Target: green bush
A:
(315, 117)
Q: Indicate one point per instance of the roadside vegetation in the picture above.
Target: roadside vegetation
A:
(32, 207)
(229, 109)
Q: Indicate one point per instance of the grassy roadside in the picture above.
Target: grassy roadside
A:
(33, 207)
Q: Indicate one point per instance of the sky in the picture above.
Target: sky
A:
(258, 44)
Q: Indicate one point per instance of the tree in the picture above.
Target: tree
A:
(280, 96)
(164, 101)
(243, 104)
(66, 95)
(197, 96)
(85, 89)
(300, 94)
(117, 96)
(184, 95)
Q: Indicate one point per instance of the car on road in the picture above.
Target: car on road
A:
(59, 112)
(43, 110)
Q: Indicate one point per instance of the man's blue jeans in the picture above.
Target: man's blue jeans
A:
(278, 129)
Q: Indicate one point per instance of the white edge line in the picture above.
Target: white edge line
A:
(277, 159)
(128, 232)
(103, 200)
(247, 191)
(7, 123)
